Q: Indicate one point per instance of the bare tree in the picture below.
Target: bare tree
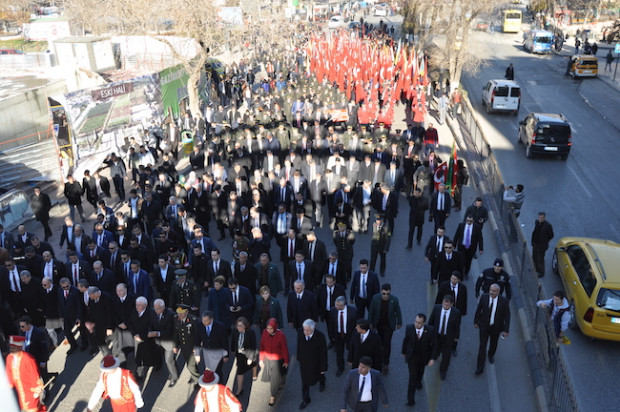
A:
(447, 23)
(17, 11)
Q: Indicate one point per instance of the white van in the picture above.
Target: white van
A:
(501, 96)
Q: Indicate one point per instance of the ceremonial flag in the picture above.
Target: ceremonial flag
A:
(453, 169)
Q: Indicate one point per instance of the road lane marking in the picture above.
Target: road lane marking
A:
(581, 182)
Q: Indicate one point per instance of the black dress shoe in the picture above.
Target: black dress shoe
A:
(172, 383)
(491, 359)
(478, 372)
(339, 372)
(322, 387)
(442, 375)
(303, 404)
(94, 351)
(419, 386)
(454, 353)
(419, 242)
(409, 247)
(410, 403)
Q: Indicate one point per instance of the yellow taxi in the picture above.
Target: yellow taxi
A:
(584, 66)
(589, 269)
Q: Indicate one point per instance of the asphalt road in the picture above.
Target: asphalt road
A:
(579, 196)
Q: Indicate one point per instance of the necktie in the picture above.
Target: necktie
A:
(241, 338)
(217, 267)
(2, 241)
(159, 318)
(282, 194)
(76, 276)
(135, 283)
(468, 236)
(329, 299)
(112, 260)
(298, 296)
(235, 299)
(312, 245)
(341, 328)
(15, 281)
(127, 270)
(290, 249)
(440, 201)
(444, 322)
(299, 271)
(449, 256)
(359, 397)
(419, 334)
(298, 223)
(493, 307)
(92, 253)
(363, 287)
(209, 330)
(99, 240)
(66, 294)
(331, 268)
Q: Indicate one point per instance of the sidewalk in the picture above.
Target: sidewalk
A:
(602, 93)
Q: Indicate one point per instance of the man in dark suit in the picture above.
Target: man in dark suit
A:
(341, 325)
(211, 343)
(95, 253)
(140, 253)
(541, 236)
(103, 278)
(468, 239)
(23, 239)
(385, 202)
(80, 241)
(101, 236)
(332, 265)
(123, 305)
(98, 320)
(312, 358)
(365, 342)
(363, 394)
(492, 318)
(70, 310)
(419, 350)
(378, 313)
(326, 295)
(50, 309)
(417, 210)
(217, 267)
(76, 269)
(447, 262)
(163, 278)
(139, 283)
(239, 301)
(36, 343)
(457, 289)
(300, 305)
(301, 224)
(246, 273)
(434, 248)
(440, 206)
(11, 289)
(446, 319)
(364, 285)
(144, 346)
(300, 269)
(52, 268)
(162, 329)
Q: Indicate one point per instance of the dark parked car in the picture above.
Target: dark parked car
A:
(545, 134)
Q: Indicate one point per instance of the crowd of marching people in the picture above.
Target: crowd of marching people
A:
(277, 156)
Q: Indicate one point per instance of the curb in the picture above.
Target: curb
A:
(532, 357)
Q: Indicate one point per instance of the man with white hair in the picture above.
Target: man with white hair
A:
(162, 329)
(312, 357)
(145, 350)
(117, 384)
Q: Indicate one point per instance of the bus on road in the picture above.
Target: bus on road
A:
(511, 21)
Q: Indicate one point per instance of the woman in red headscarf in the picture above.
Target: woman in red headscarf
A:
(273, 357)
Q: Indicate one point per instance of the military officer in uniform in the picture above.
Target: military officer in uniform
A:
(496, 274)
(344, 239)
(184, 292)
(380, 243)
(184, 336)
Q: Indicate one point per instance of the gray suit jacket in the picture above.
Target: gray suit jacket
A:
(350, 393)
